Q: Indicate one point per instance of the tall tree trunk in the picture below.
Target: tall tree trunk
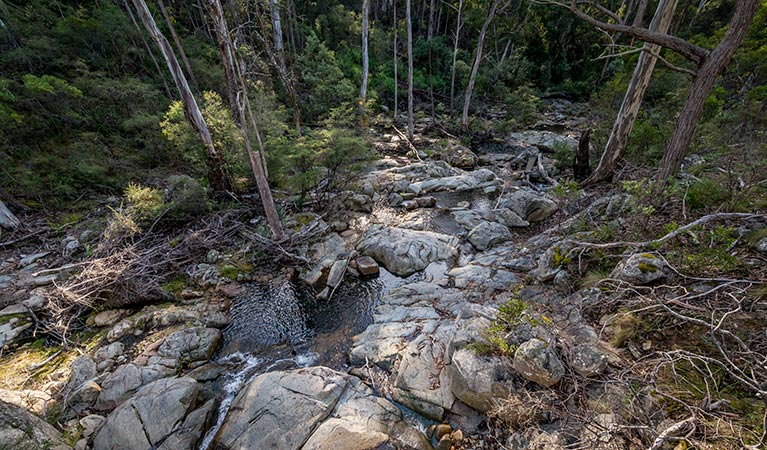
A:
(701, 88)
(477, 59)
(429, 36)
(243, 103)
(231, 82)
(408, 18)
(219, 180)
(456, 36)
(279, 47)
(396, 62)
(624, 122)
(148, 49)
(280, 68)
(179, 47)
(364, 85)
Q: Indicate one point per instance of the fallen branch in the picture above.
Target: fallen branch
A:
(671, 235)
(669, 432)
(407, 141)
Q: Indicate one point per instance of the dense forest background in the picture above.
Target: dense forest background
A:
(87, 104)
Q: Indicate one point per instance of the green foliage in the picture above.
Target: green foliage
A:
(144, 203)
(510, 314)
(327, 156)
(187, 198)
(226, 136)
(567, 190)
(323, 82)
(706, 194)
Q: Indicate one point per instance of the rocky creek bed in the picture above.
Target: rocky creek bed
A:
(378, 337)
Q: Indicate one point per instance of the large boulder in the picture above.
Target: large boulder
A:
(478, 380)
(22, 430)
(456, 155)
(530, 205)
(312, 409)
(488, 234)
(190, 344)
(123, 382)
(587, 360)
(642, 269)
(405, 252)
(150, 417)
(538, 362)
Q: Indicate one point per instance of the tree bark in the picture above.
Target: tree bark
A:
(408, 18)
(7, 219)
(624, 122)
(429, 36)
(364, 85)
(148, 49)
(179, 47)
(477, 59)
(243, 103)
(396, 81)
(279, 47)
(458, 26)
(219, 179)
(701, 88)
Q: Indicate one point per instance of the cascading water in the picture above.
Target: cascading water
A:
(277, 326)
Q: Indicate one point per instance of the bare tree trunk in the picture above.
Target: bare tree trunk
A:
(701, 87)
(279, 48)
(396, 80)
(477, 59)
(219, 180)
(624, 122)
(429, 36)
(409, 71)
(364, 86)
(7, 219)
(231, 81)
(243, 103)
(458, 26)
(280, 69)
(179, 47)
(148, 49)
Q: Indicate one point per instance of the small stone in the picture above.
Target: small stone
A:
(430, 430)
(313, 277)
(336, 274)
(367, 266)
(109, 317)
(339, 226)
(588, 361)
(442, 430)
(410, 204)
(408, 195)
(91, 423)
(426, 202)
(457, 436)
(445, 443)
(539, 363)
(646, 345)
(395, 199)
(324, 294)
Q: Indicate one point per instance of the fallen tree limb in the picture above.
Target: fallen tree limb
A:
(671, 235)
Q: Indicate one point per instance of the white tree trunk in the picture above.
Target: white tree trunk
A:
(477, 60)
(458, 26)
(256, 159)
(364, 86)
(279, 47)
(7, 219)
(408, 18)
(624, 122)
(219, 181)
(396, 57)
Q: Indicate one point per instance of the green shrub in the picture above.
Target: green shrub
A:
(144, 203)
(186, 197)
(706, 194)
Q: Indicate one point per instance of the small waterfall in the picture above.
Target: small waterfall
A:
(247, 368)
